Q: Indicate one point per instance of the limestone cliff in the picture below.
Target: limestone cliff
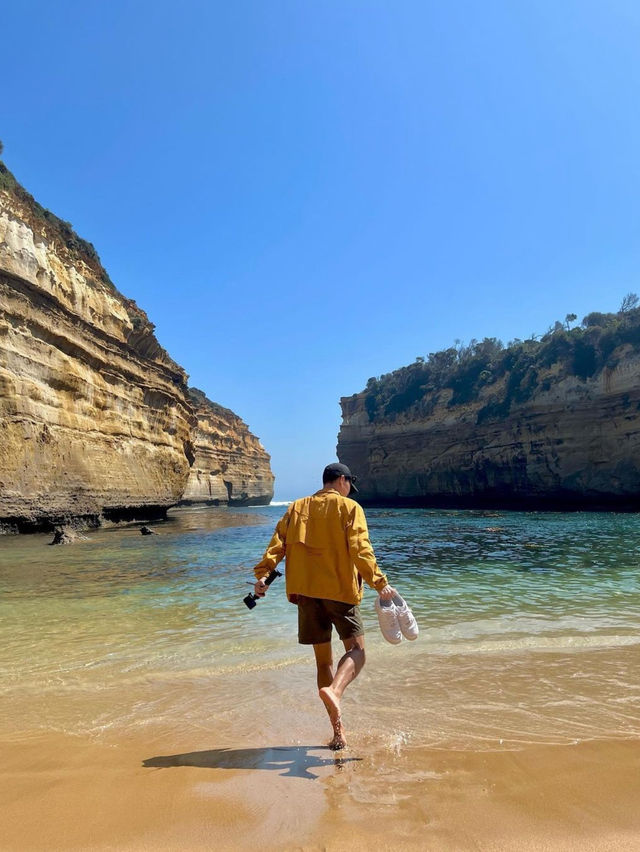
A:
(231, 464)
(554, 423)
(95, 417)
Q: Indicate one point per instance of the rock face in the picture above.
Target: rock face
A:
(575, 442)
(231, 464)
(95, 417)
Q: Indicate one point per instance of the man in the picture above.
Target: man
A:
(326, 544)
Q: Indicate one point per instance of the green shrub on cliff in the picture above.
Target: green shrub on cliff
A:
(7, 180)
(54, 226)
(518, 370)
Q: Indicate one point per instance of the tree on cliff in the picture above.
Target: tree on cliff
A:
(1, 147)
(629, 302)
(515, 372)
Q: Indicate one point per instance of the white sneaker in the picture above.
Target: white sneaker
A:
(406, 620)
(388, 619)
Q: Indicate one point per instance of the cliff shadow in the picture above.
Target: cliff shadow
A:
(288, 761)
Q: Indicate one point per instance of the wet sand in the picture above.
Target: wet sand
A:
(161, 791)
(144, 708)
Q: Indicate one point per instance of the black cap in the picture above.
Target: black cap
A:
(333, 471)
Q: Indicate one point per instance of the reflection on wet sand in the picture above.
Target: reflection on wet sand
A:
(512, 723)
(70, 793)
(288, 761)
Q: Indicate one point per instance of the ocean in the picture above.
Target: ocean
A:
(529, 633)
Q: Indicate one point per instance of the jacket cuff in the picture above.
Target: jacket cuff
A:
(261, 572)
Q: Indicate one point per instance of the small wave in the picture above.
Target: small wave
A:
(281, 502)
(534, 643)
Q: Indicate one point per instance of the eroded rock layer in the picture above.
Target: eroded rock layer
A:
(231, 464)
(95, 417)
(575, 442)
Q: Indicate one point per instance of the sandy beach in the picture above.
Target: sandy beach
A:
(167, 792)
(144, 708)
(335, 294)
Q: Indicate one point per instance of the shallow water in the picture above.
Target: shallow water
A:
(529, 631)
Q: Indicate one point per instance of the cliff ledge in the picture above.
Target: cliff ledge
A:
(550, 423)
(96, 420)
(231, 465)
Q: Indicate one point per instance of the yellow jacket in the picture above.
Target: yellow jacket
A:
(326, 544)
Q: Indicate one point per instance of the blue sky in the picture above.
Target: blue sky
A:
(302, 195)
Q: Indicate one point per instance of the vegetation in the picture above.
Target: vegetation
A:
(53, 224)
(67, 240)
(515, 372)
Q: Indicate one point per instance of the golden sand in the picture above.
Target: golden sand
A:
(159, 791)
(143, 709)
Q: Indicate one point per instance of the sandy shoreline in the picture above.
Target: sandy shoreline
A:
(144, 708)
(159, 792)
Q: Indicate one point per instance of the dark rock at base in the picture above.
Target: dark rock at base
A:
(62, 536)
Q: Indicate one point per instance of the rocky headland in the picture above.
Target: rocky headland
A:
(549, 423)
(231, 465)
(96, 419)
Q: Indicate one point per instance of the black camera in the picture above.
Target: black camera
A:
(251, 600)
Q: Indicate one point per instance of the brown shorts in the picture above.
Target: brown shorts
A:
(316, 616)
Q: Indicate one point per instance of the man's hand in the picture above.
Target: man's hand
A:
(387, 593)
(260, 588)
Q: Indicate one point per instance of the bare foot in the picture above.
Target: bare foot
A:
(332, 704)
(338, 742)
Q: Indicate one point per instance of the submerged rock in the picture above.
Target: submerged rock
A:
(66, 535)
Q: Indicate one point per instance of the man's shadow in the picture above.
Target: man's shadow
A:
(289, 761)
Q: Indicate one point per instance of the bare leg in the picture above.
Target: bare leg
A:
(349, 667)
(324, 664)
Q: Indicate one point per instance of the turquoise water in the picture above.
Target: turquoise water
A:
(529, 631)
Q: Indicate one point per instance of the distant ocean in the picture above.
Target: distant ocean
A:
(529, 630)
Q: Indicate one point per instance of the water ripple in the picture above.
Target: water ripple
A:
(529, 628)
